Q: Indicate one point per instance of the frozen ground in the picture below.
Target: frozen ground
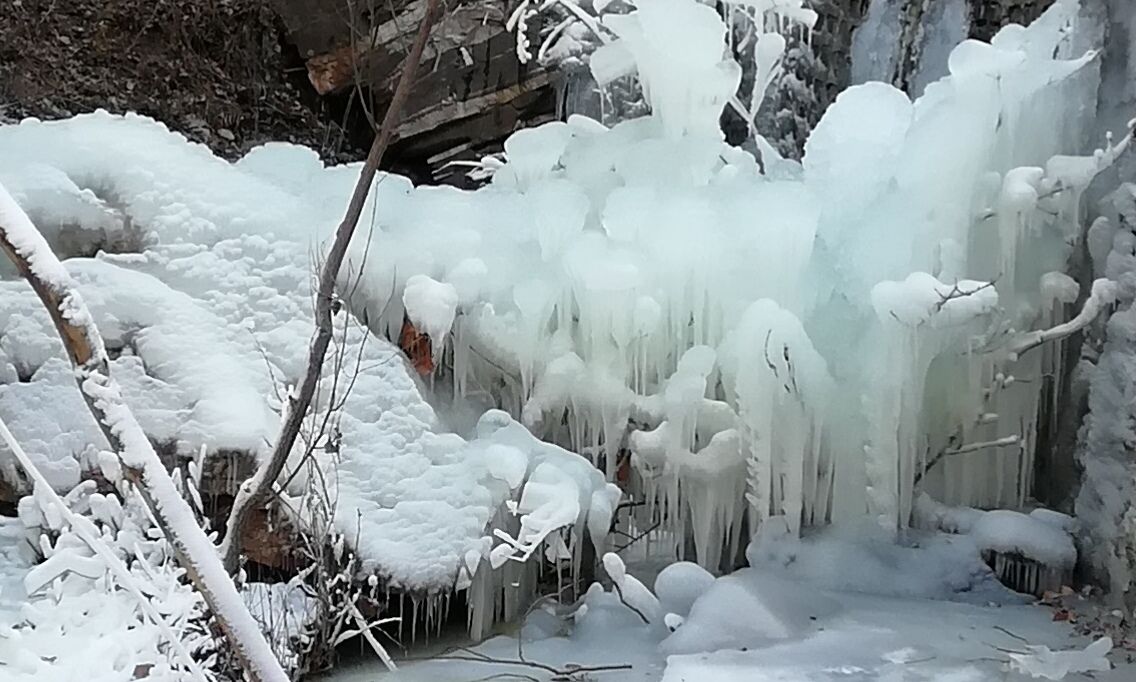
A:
(869, 638)
(838, 606)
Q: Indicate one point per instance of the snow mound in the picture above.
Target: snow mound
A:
(679, 585)
(749, 609)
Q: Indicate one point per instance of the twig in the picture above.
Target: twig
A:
(639, 537)
(478, 657)
(1005, 442)
(1021, 639)
(365, 630)
(619, 591)
(956, 292)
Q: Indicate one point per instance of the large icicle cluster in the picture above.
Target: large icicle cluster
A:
(777, 339)
(830, 332)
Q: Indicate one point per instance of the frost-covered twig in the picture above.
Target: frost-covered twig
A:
(91, 536)
(34, 259)
(622, 600)
(518, 23)
(258, 488)
(957, 292)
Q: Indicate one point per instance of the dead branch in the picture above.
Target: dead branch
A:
(256, 490)
(28, 250)
(566, 672)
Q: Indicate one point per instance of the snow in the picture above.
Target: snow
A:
(1011, 532)
(195, 551)
(431, 307)
(1104, 502)
(568, 290)
(1055, 665)
(286, 613)
(749, 609)
(29, 244)
(679, 585)
(116, 620)
(860, 557)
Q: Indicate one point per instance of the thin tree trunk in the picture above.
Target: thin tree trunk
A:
(257, 489)
(36, 262)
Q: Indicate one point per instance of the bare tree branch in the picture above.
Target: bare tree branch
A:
(257, 489)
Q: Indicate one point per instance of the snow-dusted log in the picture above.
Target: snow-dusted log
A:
(257, 489)
(29, 251)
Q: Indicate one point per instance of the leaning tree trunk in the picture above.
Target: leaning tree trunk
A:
(29, 251)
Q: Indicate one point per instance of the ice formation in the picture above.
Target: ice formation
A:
(1104, 505)
(810, 342)
(1055, 665)
(749, 609)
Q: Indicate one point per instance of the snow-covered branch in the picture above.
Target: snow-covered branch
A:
(27, 248)
(1103, 294)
